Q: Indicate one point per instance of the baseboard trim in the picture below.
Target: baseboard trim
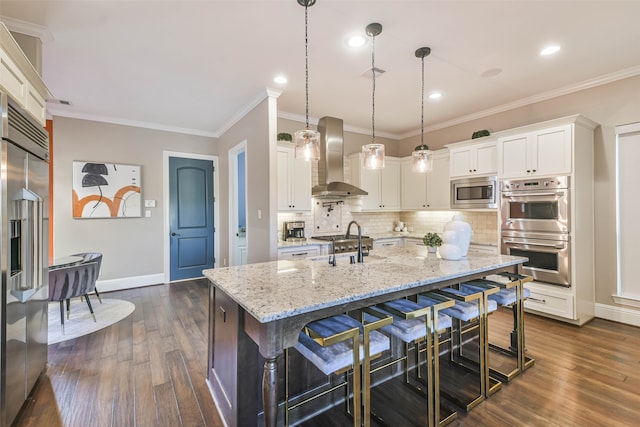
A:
(614, 313)
(129, 282)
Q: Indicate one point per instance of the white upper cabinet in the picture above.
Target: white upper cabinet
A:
(427, 190)
(545, 152)
(294, 180)
(383, 185)
(473, 159)
(19, 79)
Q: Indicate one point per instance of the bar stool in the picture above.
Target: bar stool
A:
(511, 294)
(325, 344)
(471, 309)
(414, 323)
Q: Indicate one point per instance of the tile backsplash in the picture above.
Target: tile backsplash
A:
(321, 221)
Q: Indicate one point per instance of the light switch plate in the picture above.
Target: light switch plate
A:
(147, 213)
(149, 203)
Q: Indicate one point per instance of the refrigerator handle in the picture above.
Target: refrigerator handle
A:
(32, 240)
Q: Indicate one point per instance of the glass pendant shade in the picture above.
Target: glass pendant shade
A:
(307, 145)
(421, 159)
(373, 156)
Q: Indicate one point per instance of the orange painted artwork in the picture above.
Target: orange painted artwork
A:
(106, 190)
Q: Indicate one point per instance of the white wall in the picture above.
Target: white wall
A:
(132, 247)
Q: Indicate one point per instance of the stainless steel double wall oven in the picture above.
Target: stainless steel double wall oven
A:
(536, 223)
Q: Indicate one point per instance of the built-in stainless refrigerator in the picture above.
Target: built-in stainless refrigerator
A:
(24, 224)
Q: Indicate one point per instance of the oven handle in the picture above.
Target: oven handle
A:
(527, 194)
(546, 245)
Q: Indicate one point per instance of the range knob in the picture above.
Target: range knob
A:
(546, 183)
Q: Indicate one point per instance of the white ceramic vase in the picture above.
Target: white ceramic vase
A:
(463, 229)
(450, 249)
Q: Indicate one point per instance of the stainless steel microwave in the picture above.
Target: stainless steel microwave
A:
(474, 193)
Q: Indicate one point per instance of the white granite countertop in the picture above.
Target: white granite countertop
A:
(279, 289)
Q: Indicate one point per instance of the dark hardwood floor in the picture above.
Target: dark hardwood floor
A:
(149, 370)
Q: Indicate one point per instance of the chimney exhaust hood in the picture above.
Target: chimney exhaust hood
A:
(331, 183)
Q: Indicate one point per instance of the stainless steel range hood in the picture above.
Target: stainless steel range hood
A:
(331, 183)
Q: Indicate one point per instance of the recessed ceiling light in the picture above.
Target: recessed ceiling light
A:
(280, 79)
(549, 50)
(435, 95)
(356, 41)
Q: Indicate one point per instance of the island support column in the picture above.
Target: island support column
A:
(270, 391)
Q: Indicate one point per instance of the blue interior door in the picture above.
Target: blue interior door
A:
(191, 217)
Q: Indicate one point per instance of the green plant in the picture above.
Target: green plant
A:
(432, 239)
(285, 137)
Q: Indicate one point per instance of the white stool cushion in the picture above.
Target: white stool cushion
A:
(338, 356)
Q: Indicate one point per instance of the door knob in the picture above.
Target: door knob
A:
(174, 234)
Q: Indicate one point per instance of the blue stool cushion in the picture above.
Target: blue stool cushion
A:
(338, 356)
(464, 311)
(409, 330)
(505, 297)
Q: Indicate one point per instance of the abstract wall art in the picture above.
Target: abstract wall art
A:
(106, 190)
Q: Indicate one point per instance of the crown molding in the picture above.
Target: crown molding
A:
(61, 112)
(314, 121)
(587, 84)
(27, 28)
(268, 92)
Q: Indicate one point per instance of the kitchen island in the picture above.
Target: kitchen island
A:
(258, 310)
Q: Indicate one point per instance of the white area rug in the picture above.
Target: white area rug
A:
(80, 322)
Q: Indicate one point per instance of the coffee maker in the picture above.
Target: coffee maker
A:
(293, 230)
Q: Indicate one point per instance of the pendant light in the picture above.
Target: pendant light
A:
(421, 155)
(373, 153)
(307, 141)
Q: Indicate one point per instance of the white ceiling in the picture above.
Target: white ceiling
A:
(196, 66)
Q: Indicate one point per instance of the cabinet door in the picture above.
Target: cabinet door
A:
(300, 185)
(370, 182)
(284, 196)
(439, 188)
(414, 186)
(551, 151)
(512, 154)
(12, 80)
(390, 185)
(486, 159)
(460, 162)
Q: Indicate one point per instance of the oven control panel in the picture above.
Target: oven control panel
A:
(535, 184)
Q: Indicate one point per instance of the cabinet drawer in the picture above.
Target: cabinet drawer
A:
(300, 252)
(550, 302)
(387, 243)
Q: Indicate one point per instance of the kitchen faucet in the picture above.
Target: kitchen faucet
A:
(347, 235)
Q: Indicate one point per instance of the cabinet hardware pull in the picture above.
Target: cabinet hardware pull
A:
(224, 314)
(300, 254)
(543, 301)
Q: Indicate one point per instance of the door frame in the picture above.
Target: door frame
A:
(233, 200)
(166, 227)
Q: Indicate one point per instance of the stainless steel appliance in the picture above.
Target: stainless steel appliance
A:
(24, 225)
(340, 243)
(549, 255)
(474, 193)
(293, 230)
(541, 204)
(331, 183)
(535, 223)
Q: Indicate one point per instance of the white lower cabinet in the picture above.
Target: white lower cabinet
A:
(549, 299)
(299, 252)
(389, 242)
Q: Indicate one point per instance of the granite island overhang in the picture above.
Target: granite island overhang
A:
(269, 303)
